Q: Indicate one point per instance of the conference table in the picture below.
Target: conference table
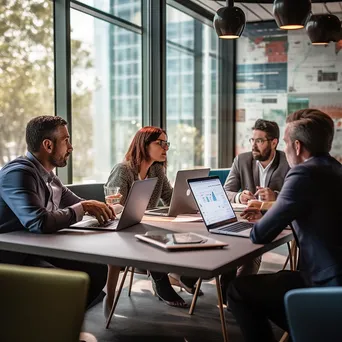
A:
(123, 249)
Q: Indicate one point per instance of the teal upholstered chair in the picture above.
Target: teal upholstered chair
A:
(41, 304)
(314, 314)
(221, 173)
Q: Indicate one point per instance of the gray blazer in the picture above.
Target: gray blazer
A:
(244, 174)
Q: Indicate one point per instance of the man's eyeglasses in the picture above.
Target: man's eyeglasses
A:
(258, 141)
(163, 143)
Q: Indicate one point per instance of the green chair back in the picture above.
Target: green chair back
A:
(40, 305)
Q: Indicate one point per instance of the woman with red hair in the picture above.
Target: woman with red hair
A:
(146, 158)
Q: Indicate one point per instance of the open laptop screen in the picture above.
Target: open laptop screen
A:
(212, 201)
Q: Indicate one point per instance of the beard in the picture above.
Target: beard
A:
(264, 155)
(58, 161)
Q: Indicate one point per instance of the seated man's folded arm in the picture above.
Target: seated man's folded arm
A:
(19, 191)
(290, 204)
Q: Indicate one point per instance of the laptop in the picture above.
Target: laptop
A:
(215, 208)
(181, 201)
(133, 211)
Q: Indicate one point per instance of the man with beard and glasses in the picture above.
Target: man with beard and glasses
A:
(258, 174)
(33, 198)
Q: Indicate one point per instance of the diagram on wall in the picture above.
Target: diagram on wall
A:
(271, 107)
(313, 69)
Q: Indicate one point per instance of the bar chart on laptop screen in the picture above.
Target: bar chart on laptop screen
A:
(212, 201)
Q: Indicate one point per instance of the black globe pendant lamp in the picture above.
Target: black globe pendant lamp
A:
(291, 14)
(323, 28)
(229, 21)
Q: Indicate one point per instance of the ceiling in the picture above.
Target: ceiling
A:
(262, 10)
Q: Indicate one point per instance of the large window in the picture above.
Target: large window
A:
(106, 39)
(192, 55)
(280, 72)
(125, 9)
(106, 94)
(26, 70)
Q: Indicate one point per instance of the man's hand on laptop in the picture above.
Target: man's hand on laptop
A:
(252, 214)
(102, 211)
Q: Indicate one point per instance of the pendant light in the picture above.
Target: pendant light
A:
(229, 21)
(291, 14)
(323, 28)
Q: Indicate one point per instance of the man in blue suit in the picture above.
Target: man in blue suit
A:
(33, 198)
(310, 200)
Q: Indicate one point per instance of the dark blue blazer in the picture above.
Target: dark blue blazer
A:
(23, 199)
(311, 200)
(24, 196)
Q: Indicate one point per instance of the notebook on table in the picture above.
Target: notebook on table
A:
(215, 208)
(133, 211)
(181, 201)
(179, 241)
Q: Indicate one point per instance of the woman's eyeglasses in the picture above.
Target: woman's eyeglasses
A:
(163, 143)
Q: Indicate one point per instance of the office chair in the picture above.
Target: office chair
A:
(40, 304)
(221, 173)
(92, 191)
(314, 314)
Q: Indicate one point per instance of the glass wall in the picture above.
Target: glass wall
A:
(106, 93)
(26, 70)
(192, 98)
(106, 81)
(280, 72)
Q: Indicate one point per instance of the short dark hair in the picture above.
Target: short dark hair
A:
(313, 128)
(270, 127)
(40, 128)
(138, 149)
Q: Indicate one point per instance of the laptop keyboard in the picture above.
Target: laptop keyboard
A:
(112, 224)
(237, 227)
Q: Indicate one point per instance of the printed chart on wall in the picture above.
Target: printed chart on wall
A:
(261, 80)
(313, 69)
(251, 107)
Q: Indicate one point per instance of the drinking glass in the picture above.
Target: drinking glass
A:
(112, 194)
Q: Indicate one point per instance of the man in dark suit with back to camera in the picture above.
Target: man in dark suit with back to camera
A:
(310, 200)
(32, 198)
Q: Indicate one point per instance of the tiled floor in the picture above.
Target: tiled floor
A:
(142, 317)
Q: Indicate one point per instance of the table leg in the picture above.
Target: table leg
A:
(220, 303)
(131, 281)
(194, 298)
(117, 297)
(294, 255)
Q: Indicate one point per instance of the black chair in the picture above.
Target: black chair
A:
(90, 191)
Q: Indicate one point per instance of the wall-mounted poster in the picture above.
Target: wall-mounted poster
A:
(271, 107)
(313, 69)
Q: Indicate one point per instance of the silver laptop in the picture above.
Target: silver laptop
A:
(215, 208)
(182, 201)
(133, 212)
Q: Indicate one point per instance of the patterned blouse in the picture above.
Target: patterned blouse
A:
(123, 175)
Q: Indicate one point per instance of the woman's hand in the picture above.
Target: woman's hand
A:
(251, 214)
